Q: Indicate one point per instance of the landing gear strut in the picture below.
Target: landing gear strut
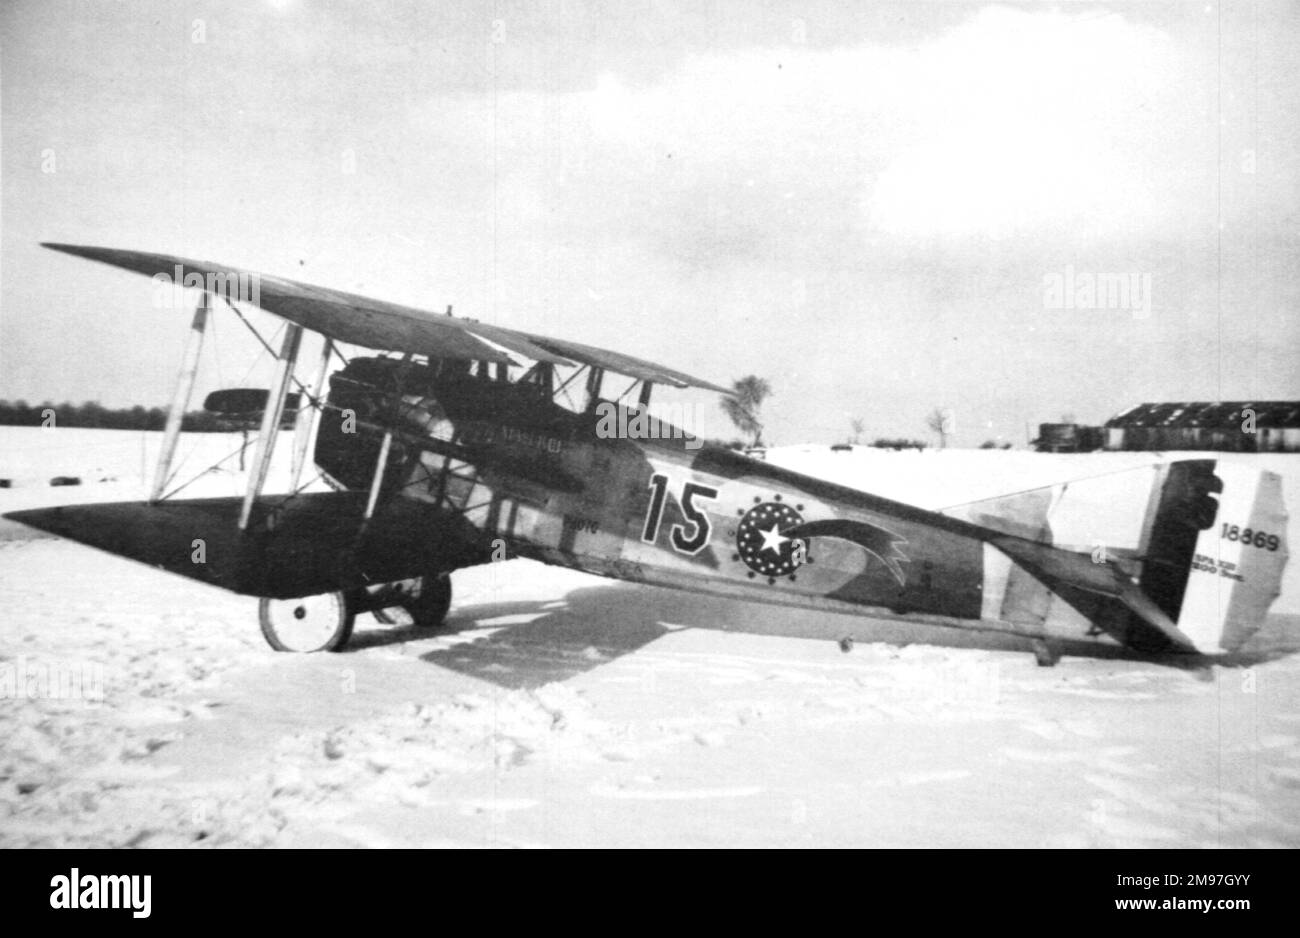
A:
(423, 603)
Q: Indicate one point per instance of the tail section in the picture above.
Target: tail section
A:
(1192, 550)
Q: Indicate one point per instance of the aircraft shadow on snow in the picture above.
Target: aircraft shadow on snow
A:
(596, 625)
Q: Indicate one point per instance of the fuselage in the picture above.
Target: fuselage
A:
(644, 502)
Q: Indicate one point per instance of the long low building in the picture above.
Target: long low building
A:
(1224, 426)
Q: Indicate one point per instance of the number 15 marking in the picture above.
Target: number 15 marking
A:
(700, 528)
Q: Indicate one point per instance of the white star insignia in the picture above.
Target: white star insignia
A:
(773, 539)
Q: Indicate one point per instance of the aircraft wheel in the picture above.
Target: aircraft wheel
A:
(311, 623)
(425, 606)
(431, 601)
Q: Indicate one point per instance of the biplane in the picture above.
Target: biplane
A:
(460, 443)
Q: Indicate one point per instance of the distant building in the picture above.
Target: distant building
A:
(1227, 426)
(1068, 438)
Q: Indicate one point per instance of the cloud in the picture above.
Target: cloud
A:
(1013, 123)
(1031, 122)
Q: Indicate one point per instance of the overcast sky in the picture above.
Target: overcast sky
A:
(863, 204)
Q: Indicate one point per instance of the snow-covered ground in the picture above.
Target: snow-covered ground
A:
(559, 709)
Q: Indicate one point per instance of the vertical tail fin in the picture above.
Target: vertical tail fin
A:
(1235, 571)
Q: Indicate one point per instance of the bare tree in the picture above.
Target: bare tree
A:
(940, 421)
(858, 428)
(743, 407)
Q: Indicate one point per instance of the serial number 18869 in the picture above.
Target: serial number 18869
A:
(1252, 538)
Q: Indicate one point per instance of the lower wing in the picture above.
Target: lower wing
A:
(297, 545)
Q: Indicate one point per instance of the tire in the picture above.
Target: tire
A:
(309, 624)
(431, 601)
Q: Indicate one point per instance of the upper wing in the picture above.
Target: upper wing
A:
(624, 364)
(377, 324)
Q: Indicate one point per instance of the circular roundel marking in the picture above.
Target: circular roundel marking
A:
(760, 543)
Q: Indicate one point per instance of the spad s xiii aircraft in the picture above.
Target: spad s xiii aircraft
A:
(465, 443)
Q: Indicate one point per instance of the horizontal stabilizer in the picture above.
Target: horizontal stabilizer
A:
(1061, 569)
